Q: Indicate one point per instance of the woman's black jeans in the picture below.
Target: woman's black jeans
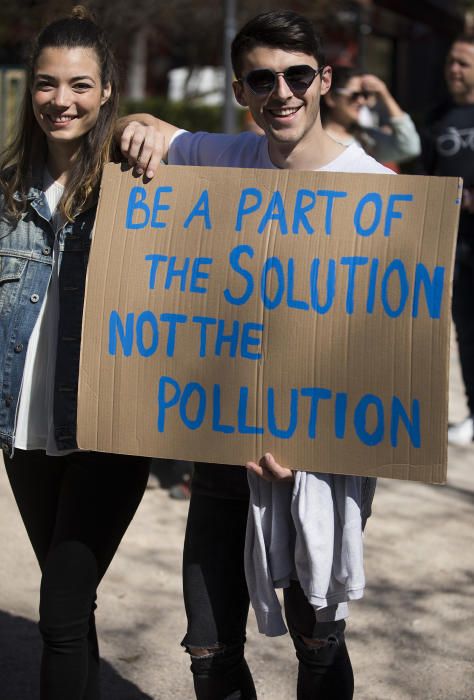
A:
(217, 601)
(76, 509)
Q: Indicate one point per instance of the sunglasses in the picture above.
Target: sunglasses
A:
(298, 78)
(354, 96)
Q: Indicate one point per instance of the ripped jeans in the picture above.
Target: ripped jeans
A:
(217, 600)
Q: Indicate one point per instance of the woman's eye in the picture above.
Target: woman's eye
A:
(82, 86)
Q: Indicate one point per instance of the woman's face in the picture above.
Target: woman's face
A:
(347, 102)
(67, 93)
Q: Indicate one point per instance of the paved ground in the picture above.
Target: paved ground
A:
(412, 637)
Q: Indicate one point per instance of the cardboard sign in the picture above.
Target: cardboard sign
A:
(234, 312)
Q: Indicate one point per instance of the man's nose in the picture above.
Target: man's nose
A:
(282, 88)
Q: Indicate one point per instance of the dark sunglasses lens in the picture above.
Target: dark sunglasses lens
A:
(261, 81)
(299, 77)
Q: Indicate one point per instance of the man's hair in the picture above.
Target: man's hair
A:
(278, 29)
(463, 39)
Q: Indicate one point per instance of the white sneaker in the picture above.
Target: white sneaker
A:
(462, 433)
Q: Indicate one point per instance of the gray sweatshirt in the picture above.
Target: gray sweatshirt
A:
(309, 530)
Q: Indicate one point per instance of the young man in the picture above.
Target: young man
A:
(448, 150)
(280, 76)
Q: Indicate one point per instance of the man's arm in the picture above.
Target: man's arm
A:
(144, 140)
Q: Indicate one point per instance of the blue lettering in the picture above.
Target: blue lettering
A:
(290, 300)
(172, 320)
(272, 264)
(201, 208)
(353, 262)
(204, 322)
(340, 415)
(412, 425)
(275, 212)
(217, 426)
(248, 340)
(330, 286)
(234, 260)
(146, 317)
(360, 420)
(232, 339)
(198, 274)
(243, 427)
(125, 334)
(397, 267)
(136, 202)
(376, 200)
(181, 274)
(155, 261)
(189, 390)
(433, 289)
(165, 403)
(284, 434)
(391, 213)
(243, 209)
(331, 195)
(159, 207)
(315, 394)
(299, 215)
(374, 267)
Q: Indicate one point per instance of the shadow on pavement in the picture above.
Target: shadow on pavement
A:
(20, 651)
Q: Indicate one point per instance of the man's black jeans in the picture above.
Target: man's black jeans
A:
(76, 509)
(217, 600)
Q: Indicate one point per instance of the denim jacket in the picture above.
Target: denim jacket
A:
(26, 259)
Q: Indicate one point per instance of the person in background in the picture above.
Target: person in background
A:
(281, 75)
(76, 506)
(174, 475)
(348, 114)
(448, 150)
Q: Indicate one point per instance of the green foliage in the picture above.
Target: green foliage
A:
(186, 115)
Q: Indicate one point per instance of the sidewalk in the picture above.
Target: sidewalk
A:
(410, 638)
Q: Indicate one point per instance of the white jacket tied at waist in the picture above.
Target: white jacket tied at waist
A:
(309, 530)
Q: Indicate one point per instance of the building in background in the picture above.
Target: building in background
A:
(161, 45)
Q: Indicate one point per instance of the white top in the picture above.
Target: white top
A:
(35, 423)
(248, 150)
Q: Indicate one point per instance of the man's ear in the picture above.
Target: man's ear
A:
(239, 93)
(326, 80)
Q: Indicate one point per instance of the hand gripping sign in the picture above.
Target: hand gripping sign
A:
(232, 312)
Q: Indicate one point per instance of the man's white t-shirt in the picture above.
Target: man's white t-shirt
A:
(248, 150)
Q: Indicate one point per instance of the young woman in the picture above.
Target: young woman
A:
(76, 505)
(342, 108)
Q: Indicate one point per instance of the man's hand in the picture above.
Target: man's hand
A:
(143, 146)
(269, 469)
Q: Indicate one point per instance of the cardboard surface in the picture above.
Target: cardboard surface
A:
(232, 312)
